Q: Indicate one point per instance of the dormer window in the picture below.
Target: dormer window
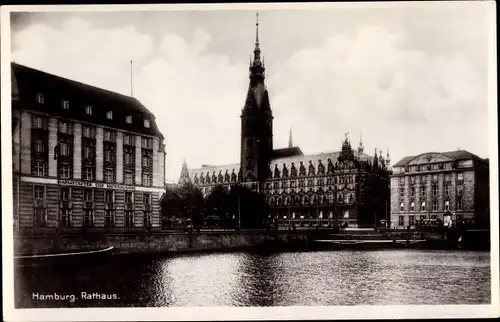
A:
(109, 115)
(88, 109)
(128, 119)
(146, 123)
(65, 104)
(39, 98)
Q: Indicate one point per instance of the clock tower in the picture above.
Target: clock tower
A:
(256, 122)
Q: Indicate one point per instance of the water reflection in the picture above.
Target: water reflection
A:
(253, 279)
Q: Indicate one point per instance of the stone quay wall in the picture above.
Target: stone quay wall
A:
(151, 243)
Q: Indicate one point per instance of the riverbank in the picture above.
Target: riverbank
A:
(181, 242)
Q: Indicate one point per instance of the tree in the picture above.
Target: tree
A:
(183, 202)
(250, 206)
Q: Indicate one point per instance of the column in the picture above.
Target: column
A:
(156, 173)
(99, 157)
(52, 146)
(77, 151)
(119, 157)
(138, 160)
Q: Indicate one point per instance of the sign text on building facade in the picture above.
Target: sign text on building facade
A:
(90, 184)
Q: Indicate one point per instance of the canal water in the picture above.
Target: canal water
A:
(386, 277)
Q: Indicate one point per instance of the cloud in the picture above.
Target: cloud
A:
(400, 98)
(373, 80)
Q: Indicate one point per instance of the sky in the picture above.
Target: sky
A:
(409, 78)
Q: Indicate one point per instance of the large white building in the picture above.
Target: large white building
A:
(82, 156)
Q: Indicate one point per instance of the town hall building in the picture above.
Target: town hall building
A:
(343, 187)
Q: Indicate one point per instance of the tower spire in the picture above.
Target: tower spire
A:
(290, 144)
(257, 69)
(361, 147)
(257, 30)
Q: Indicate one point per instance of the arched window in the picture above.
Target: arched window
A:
(412, 206)
(306, 200)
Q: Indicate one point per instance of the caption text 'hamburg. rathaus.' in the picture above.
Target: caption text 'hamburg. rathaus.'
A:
(86, 158)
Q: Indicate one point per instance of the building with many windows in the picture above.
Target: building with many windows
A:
(343, 187)
(435, 185)
(82, 156)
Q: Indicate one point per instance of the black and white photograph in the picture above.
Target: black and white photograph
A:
(319, 160)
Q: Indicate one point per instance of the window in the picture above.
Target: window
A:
(434, 205)
(37, 122)
(422, 207)
(87, 173)
(460, 176)
(40, 168)
(460, 190)
(412, 206)
(146, 143)
(129, 178)
(129, 158)
(147, 219)
(39, 148)
(412, 220)
(434, 177)
(446, 190)
(88, 109)
(88, 196)
(401, 181)
(129, 218)
(128, 197)
(434, 190)
(65, 104)
(65, 193)
(401, 220)
(64, 148)
(401, 192)
(446, 205)
(39, 192)
(460, 203)
(65, 218)
(108, 175)
(109, 135)
(146, 159)
(275, 185)
(412, 191)
(109, 154)
(402, 206)
(109, 218)
(64, 127)
(423, 190)
(88, 131)
(128, 139)
(146, 123)
(412, 179)
(109, 196)
(109, 115)
(64, 171)
(292, 184)
(146, 179)
(40, 98)
(128, 119)
(87, 152)
(146, 198)
(88, 218)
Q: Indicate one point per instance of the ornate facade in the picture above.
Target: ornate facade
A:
(344, 187)
(434, 185)
(83, 157)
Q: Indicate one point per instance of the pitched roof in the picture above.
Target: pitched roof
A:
(55, 88)
(286, 152)
(455, 155)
